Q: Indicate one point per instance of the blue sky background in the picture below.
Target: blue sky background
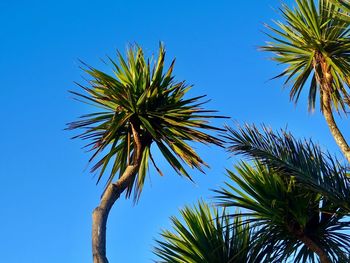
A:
(46, 193)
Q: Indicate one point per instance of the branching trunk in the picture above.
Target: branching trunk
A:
(325, 80)
(111, 194)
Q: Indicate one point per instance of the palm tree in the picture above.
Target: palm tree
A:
(139, 106)
(278, 191)
(203, 235)
(314, 42)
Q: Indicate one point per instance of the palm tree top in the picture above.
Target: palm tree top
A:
(313, 41)
(141, 104)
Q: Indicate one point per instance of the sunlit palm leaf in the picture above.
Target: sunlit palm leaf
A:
(343, 4)
(146, 97)
(307, 32)
(204, 236)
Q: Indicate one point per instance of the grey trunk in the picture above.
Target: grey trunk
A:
(111, 194)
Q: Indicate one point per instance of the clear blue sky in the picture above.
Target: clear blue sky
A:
(46, 195)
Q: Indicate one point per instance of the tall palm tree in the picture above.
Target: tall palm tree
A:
(314, 42)
(293, 217)
(203, 235)
(140, 105)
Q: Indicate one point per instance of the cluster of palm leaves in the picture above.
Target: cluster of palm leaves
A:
(206, 235)
(294, 201)
(148, 100)
(293, 198)
(311, 33)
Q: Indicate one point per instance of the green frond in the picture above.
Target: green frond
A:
(145, 96)
(204, 235)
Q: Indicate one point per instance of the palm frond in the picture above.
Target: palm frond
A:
(343, 4)
(204, 235)
(301, 159)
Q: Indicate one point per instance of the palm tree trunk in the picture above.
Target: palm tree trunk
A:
(315, 248)
(298, 232)
(337, 135)
(111, 194)
(325, 80)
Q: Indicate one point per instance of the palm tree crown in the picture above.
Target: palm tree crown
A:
(140, 105)
(314, 42)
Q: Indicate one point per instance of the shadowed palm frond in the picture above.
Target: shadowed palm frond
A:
(317, 170)
(288, 219)
(204, 235)
(142, 97)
